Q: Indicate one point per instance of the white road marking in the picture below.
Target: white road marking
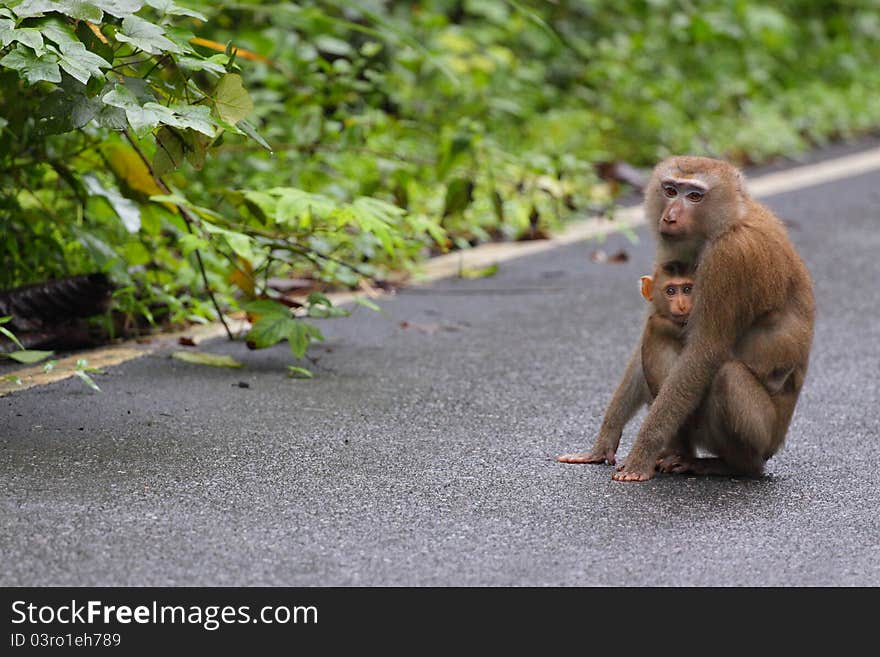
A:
(485, 255)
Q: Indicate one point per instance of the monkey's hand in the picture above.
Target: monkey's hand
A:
(593, 456)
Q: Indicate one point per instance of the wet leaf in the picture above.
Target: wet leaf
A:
(203, 358)
(485, 272)
(29, 356)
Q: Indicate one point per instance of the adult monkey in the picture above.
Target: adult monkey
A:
(753, 295)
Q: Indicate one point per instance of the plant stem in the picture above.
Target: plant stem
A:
(188, 219)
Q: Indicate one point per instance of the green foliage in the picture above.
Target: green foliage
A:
(179, 146)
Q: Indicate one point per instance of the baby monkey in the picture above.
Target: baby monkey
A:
(670, 291)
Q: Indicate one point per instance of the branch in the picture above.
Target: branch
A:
(188, 219)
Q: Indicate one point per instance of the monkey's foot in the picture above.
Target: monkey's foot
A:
(675, 463)
(682, 464)
(593, 456)
(627, 472)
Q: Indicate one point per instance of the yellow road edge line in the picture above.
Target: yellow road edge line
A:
(445, 266)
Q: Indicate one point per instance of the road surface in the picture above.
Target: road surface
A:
(423, 454)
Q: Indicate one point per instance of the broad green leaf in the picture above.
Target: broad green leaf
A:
(28, 36)
(267, 307)
(238, 242)
(300, 335)
(173, 9)
(231, 99)
(270, 329)
(189, 243)
(197, 117)
(295, 372)
(145, 35)
(202, 358)
(169, 151)
(32, 68)
(58, 31)
(215, 64)
(118, 8)
(141, 119)
(29, 356)
(80, 63)
(87, 11)
(127, 210)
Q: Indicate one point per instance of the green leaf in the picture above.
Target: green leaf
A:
(172, 9)
(251, 132)
(87, 11)
(267, 307)
(127, 210)
(12, 378)
(85, 378)
(80, 63)
(295, 372)
(67, 108)
(485, 272)
(213, 64)
(145, 35)
(55, 29)
(202, 358)
(238, 242)
(141, 119)
(300, 335)
(197, 117)
(231, 99)
(118, 8)
(169, 151)
(28, 36)
(366, 303)
(459, 195)
(9, 334)
(29, 356)
(270, 329)
(49, 366)
(189, 243)
(32, 68)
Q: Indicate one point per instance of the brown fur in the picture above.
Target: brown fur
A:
(734, 387)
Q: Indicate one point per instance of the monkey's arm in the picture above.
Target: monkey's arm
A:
(631, 394)
(714, 329)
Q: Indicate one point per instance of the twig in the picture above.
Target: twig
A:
(188, 219)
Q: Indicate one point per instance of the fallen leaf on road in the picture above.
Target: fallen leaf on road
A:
(202, 358)
(602, 257)
(186, 341)
(428, 328)
(485, 272)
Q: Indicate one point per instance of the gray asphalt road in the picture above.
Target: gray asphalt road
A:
(426, 458)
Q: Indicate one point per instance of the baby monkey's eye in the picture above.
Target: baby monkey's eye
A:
(670, 291)
(670, 191)
(694, 197)
(686, 289)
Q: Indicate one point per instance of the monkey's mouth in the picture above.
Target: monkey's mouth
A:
(681, 321)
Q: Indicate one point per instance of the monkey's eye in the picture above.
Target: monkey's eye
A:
(670, 291)
(694, 197)
(670, 191)
(686, 289)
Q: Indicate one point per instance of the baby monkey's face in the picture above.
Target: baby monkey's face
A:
(670, 295)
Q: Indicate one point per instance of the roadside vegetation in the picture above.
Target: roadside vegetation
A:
(223, 156)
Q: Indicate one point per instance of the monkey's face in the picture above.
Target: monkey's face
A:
(682, 198)
(673, 299)
(686, 192)
(671, 296)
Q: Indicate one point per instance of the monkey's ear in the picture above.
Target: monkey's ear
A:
(647, 286)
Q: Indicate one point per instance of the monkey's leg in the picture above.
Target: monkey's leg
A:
(738, 422)
(631, 394)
